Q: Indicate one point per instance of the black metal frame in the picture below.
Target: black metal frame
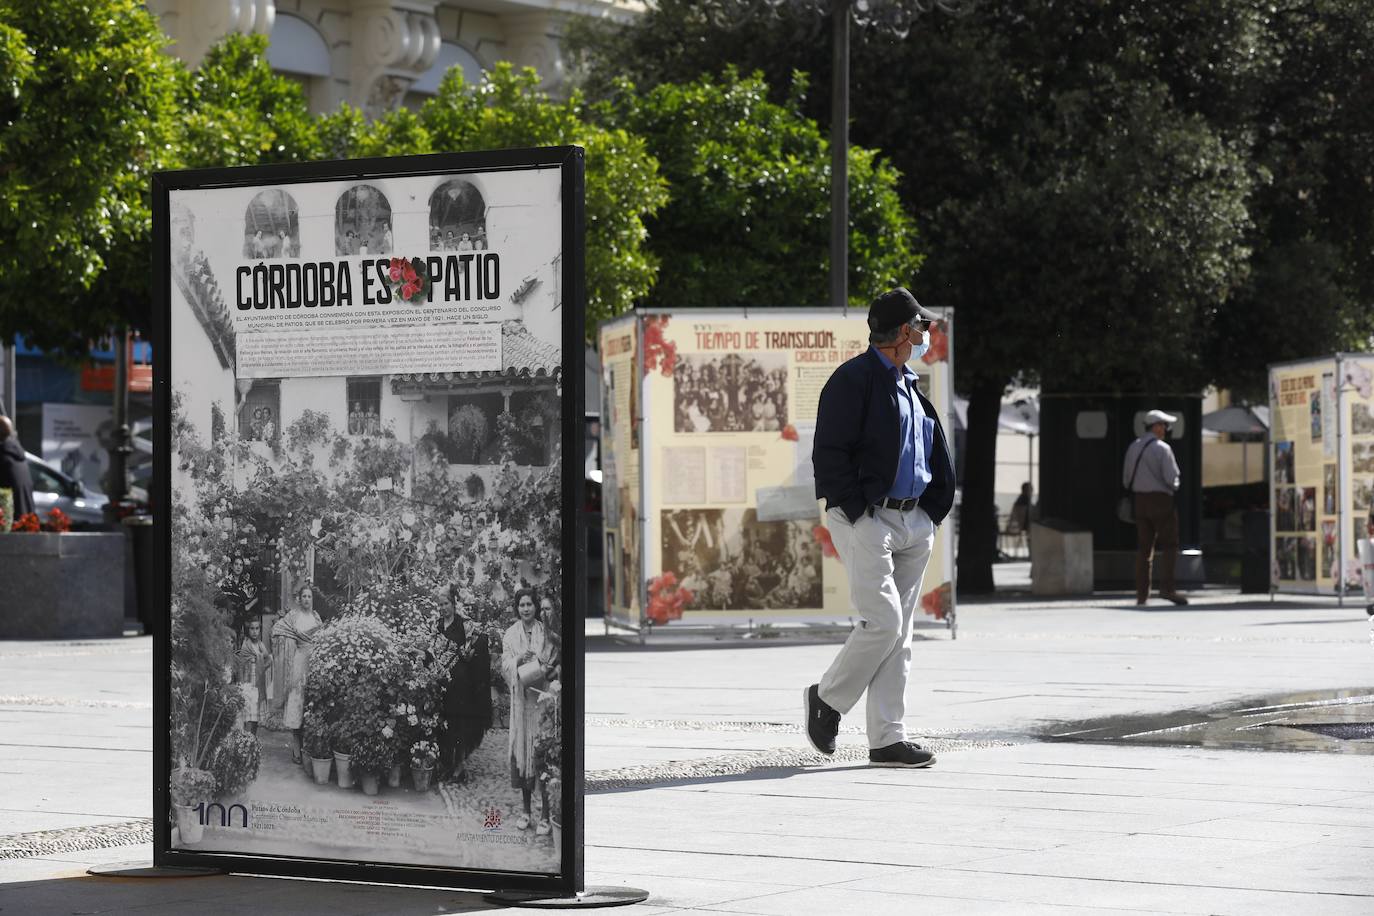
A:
(571, 161)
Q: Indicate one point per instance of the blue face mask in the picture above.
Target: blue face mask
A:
(919, 349)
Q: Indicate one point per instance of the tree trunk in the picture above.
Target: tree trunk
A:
(978, 511)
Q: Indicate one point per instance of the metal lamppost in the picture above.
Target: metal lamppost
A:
(893, 17)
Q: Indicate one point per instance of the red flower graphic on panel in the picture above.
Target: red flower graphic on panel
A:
(821, 534)
(936, 602)
(939, 345)
(659, 352)
(667, 599)
(789, 432)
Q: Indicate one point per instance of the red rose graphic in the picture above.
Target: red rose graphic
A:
(936, 602)
(396, 269)
(666, 599)
(789, 432)
(821, 535)
(656, 348)
(939, 345)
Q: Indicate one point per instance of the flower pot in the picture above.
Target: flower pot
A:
(421, 777)
(393, 776)
(371, 783)
(189, 825)
(319, 768)
(342, 770)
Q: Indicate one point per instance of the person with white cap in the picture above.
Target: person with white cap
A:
(884, 469)
(1150, 471)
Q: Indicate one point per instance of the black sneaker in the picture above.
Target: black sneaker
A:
(1177, 599)
(822, 722)
(901, 754)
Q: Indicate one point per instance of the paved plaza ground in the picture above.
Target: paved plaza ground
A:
(702, 790)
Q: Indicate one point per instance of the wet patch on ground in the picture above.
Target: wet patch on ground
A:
(1320, 721)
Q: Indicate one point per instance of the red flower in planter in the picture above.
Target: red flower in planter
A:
(58, 521)
(789, 432)
(821, 534)
(26, 523)
(939, 345)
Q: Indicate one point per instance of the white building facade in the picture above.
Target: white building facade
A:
(379, 55)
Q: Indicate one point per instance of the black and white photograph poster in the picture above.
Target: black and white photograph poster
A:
(366, 646)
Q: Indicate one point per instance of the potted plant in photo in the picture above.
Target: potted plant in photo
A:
(190, 788)
(235, 762)
(316, 742)
(353, 667)
(423, 756)
(372, 757)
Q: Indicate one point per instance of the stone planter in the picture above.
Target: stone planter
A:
(371, 783)
(63, 586)
(393, 776)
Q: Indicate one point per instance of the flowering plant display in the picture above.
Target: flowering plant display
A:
(58, 521)
(6, 508)
(354, 666)
(424, 754)
(407, 278)
(235, 762)
(315, 736)
(191, 786)
(26, 524)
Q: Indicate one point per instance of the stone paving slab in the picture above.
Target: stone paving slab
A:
(1022, 828)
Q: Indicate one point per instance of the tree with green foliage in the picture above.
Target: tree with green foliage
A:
(623, 187)
(1311, 284)
(86, 113)
(1081, 173)
(747, 224)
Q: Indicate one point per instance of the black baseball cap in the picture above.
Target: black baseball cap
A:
(897, 307)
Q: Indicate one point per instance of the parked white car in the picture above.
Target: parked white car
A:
(54, 490)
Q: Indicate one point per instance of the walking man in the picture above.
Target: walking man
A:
(884, 469)
(1150, 471)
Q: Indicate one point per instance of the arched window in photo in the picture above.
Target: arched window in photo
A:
(271, 226)
(457, 217)
(362, 222)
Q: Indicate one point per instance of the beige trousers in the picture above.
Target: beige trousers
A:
(885, 556)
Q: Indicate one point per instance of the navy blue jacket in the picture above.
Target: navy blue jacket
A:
(856, 446)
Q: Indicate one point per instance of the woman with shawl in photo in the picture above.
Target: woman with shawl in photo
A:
(526, 662)
(292, 639)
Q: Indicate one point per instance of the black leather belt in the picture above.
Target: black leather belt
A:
(905, 505)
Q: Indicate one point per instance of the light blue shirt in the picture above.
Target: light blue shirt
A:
(913, 460)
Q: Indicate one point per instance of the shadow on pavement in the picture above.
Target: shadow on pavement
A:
(755, 775)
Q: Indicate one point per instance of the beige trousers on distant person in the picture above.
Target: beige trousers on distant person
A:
(1156, 525)
(885, 556)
